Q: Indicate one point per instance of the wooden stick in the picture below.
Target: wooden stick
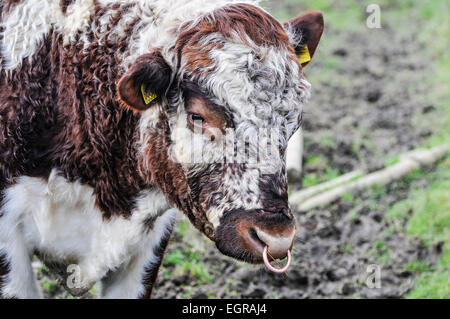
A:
(408, 162)
(302, 195)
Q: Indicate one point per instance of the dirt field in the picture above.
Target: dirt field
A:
(369, 102)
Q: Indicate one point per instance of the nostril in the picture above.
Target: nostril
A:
(278, 244)
(254, 236)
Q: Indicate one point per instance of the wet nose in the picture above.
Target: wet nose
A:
(278, 244)
(276, 231)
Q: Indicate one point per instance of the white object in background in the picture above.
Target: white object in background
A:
(295, 154)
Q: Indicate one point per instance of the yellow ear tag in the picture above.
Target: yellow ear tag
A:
(304, 55)
(147, 96)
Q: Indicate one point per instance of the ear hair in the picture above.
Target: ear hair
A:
(145, 83)
(306, 32)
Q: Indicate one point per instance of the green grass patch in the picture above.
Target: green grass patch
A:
(417, 266)
(432, 285)
(310, 180)
(435, 37)
(391, 160)
(347, 248)
(348, 197)
(381, 252)
(183, 227)
(331, 173)
(430, 208)
(377, 191)
(327, 141)
(429, 211)
(51, 286)
(187, 263)
(316, 159)
(313, 179)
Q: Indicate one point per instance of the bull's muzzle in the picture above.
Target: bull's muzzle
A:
(257, 236)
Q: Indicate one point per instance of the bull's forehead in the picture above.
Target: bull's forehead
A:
(243, 57)
(261, 86)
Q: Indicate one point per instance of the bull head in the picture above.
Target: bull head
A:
(217, 111)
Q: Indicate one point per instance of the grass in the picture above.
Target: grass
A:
(51, 286)
(382, 252)
(316, 160)
(417, 266)
(431, 281)
(432, 285)
(391, 160)
(428, 214)
(347, 248)
(327, 141)
(322, 173)
(349, 197)
(313, 179)
(187, 263)
(183, 227)
(358, 145)
(437, 27)
(335, 10)
(310, 180)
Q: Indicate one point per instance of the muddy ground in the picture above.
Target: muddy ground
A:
(368, 87)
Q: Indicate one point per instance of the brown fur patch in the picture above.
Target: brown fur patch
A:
(61, 111)
(7, 5)
(97, 144)
(244, 20)
(64, 4)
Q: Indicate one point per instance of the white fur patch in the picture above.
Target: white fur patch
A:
(24, 28)
(28, 22)
(60, 219)
(77, 17)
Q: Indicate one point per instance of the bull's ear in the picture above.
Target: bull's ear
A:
(307, 30)
(145, 83)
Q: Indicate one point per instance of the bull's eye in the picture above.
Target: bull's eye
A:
(197, 120)
(196, 117)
